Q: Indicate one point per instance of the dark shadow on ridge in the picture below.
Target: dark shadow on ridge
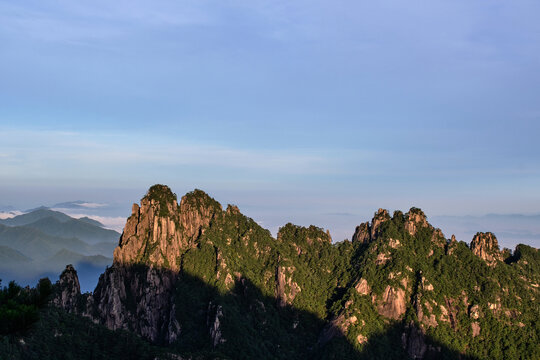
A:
(247, 324)
(242, 323)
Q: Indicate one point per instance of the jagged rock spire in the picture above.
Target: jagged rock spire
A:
(367, 232)
(416, 219)
(486, 246)
(68, 289)
(159, 230)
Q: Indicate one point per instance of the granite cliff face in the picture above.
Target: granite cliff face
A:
(138, 292)
(139, 299)
(194, 276)
(486, 246)
(159, 231)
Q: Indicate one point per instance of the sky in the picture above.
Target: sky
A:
(313, 112)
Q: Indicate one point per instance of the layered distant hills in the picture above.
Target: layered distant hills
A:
(42, 241)
(199, 281)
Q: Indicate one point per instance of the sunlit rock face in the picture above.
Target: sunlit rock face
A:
(362, 234)
(159, 230)
(486, 246)
(416, 219)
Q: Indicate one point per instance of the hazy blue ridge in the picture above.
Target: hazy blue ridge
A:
(35, 215)
(82, 230)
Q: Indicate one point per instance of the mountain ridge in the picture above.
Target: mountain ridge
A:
(399, 277)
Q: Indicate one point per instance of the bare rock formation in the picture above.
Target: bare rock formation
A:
(159, 231)
(393, 303)
(68, 290)
(139, 299)
(475, 327)
(215, 315)
(485, 246)
(362, 234)
(137, 292)
(286, 288)
(362, 287)
(415, 219)
(366, 232)
(380, 217)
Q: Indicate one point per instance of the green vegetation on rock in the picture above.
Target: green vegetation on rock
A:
(403, 291)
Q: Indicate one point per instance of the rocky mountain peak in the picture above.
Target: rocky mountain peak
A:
(68, 289)
(233, 209)
(159, 230)
(380, 216)
(367, 232)
(362, 234)
(415, 219)
(303, 237)
(161, 195)
(197, 211)
(486, 246)
(194, 276)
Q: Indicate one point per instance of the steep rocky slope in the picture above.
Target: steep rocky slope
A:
(206, 280)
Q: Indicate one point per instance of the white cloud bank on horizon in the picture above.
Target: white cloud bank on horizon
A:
(10, 214)
(115, 223)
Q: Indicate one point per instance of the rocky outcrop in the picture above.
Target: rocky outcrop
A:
(474, 311)
(362, 287)
(286, 288)
(475, 327)
(337, 327)
(297, 283)
(214, 324)
(380, 217)
(449, 313)
(68, 290)
(159, 231)
(138, 298)
(415, 219)
(367, 232)
(362, 234)
(137, 292)
(486, 246)
(392, 304)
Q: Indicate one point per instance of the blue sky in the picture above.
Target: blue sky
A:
(305, 111)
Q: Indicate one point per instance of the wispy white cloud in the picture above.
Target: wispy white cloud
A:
(80, 204)
(109, 222)
(92, 205)
(10, 214)
(66, 21)
(78, 152)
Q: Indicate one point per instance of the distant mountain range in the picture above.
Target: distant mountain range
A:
(41, 242)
